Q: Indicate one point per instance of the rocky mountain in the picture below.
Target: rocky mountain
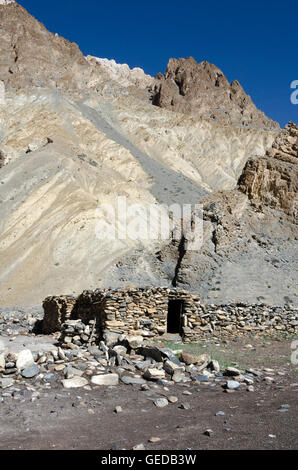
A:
(77, 132)
(203, 89)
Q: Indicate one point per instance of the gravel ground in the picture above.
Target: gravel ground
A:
(52, 417)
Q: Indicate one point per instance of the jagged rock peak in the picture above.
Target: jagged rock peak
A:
(6, 2)
(202, 89)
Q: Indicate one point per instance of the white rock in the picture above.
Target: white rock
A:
(2, 360)
(76, 382)
(105, 379)
(154, 374)
(25, 359)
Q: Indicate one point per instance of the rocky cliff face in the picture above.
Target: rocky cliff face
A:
(273, 179)
(202, 89)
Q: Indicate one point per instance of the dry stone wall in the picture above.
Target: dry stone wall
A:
(142, 313)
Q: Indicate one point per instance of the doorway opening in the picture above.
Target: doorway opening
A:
(175, 310)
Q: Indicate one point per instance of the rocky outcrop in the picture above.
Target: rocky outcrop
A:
(203, 90)
(273, 179)
(33, 56)
(122, 74)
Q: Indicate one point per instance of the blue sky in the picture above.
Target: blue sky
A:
(255, 42)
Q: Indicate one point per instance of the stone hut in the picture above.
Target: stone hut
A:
(146, 312)
(151, 312)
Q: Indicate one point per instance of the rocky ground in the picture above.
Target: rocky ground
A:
(163, 395)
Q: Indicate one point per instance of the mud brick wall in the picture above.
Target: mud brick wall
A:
(144, 312)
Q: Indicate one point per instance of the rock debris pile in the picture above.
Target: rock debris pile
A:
(115, 361)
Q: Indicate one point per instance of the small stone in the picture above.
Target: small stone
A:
(269, 380)
(250, 388)
(49, 378)
(186, 392)
(154, 374)
(6, 382)
(248, 381)
(184, 406)
(139, 447)
(70, 372)
(257, 373)
(202, 378)
(232, 385)
(231, 371)
(209, 432)
(170, 367)
(154, 439)
(30, 371)
(178, 376)
(128, 380)
(61, 354)
(160, 402)
(220, 413)
(118, 409)
(172, 399)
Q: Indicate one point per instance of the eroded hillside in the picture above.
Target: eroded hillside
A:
(78, 132)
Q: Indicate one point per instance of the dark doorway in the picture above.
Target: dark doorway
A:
(175, 311)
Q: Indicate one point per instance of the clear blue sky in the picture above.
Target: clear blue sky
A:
(255, 42)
